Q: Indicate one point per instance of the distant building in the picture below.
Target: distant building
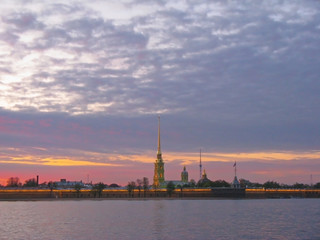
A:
(184, 175)
(235, 183)
(204, 179)
(68, 184)
(158, 178)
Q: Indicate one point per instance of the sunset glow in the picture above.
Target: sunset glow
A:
(82, 84)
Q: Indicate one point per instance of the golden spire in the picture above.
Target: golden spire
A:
(204, 175)
(159, 146)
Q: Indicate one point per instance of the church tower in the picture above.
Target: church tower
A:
(184, 175)
(235, 183)
(158, 177)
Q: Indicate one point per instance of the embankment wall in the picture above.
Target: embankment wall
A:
(34, 194)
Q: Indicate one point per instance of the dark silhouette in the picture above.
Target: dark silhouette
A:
(32, 182)
(114, 185)
(220, 183)
(139, 186)
(317, 185)
(97, 189)
(300, 186)
(204, 184)
(170, 188)
(52, 185)
(192, 183)
(145, 184)
(271, 184)
(13, 182)
(247, 184)
(131, 186)
(77, 188)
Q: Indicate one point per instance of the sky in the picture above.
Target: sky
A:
(83, 82)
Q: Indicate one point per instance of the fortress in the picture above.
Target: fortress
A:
(159, 189)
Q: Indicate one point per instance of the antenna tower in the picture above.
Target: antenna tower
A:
(200, 165)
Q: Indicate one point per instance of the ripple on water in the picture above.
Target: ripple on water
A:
(161, 219)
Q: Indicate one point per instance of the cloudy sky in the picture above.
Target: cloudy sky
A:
(82, 83)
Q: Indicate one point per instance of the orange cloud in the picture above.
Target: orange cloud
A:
(70, 162)
(71, 157)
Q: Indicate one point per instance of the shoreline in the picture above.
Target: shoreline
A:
(154, 194)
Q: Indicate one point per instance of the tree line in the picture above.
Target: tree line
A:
(144, 184)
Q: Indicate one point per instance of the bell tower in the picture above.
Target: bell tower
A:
(158, 177)
(184, 175)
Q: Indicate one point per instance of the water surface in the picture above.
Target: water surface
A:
(161, 219)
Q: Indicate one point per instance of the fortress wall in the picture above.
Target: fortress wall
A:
(30, 194)
(282, 193)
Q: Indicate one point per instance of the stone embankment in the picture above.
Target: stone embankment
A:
(38, 194)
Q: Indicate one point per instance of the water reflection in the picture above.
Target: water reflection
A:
(158, 224)
(161, 219)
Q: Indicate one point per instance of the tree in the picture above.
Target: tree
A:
(247, 184)
(13, 182)
(145, 184)
(300, 186)
(98, 188)
(52, 185)
(271, 184)
(204, 183)
(139, 186)
(170, 188)
(113, 185)
(192, 183)
(244, 183)
(317, 185)
(77, 188)
(220, 183)
(32, 182)
(131, 186)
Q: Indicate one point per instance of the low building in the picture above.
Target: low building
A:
(64, 184)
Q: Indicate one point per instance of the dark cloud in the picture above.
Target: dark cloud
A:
(226, 75)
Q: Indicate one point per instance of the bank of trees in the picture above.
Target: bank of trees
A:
(143, 184)
(273, 184)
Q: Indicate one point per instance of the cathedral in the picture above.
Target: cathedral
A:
(158, 178)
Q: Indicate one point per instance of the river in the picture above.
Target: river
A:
(160, 219)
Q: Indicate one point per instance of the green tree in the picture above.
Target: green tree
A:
(77, 188)
(170, 188)
(220, 183)
(131, 186)
(192, 183)
(32, 182)
(300, 186)
(204, 183)
(271, 184)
